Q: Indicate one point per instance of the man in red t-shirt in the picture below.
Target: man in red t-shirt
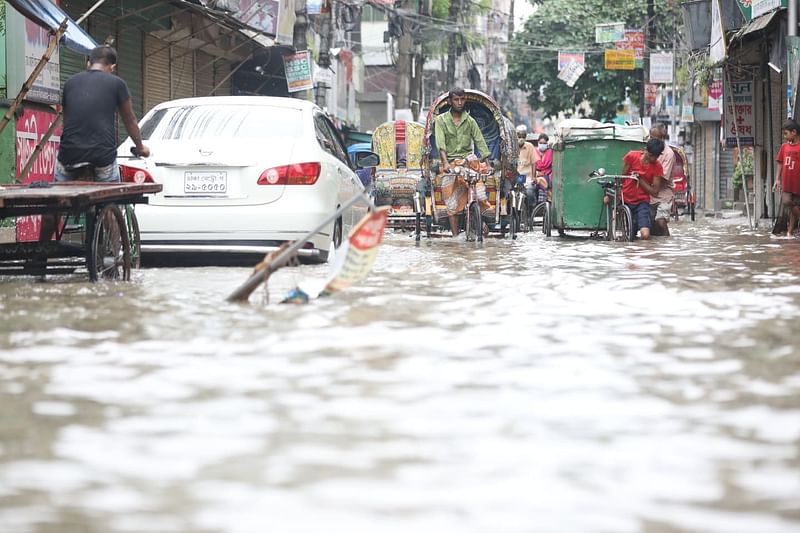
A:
(636, 196)
(787, 175)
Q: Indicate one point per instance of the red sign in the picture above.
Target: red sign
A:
(650, 93)
(31, 127)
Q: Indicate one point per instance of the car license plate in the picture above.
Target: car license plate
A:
(205, 183)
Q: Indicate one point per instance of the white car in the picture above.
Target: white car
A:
(242, 174)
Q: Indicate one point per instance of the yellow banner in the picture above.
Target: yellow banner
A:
(619, 59)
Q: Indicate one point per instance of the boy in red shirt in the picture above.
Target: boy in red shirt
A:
(636, 196)
(787, 175)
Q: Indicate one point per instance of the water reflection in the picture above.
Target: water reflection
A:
(542, 385)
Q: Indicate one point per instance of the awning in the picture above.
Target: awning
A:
(49, 16)
(757, 24)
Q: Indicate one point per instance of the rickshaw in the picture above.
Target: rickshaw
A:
(684, 197)
(399, 145)
(501, 138)
(582, 148)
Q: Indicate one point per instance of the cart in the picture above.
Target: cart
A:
(100, 230)
(577, 201)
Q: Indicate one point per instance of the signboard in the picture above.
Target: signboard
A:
(571, 72)
(261, 15)
(755, 8)
(313, 7)
(687, 113)
(32, 40)
(633, 40)
(661, 67)
(738, 114)
(718, 48)
(650, 93)
(564, 58)
(609, 33)
(355, 257)
(30, 129)
(298, 71)
(715, 95)
(619, 59)
(323, 75)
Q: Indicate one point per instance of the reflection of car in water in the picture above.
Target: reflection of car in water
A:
(399, 146)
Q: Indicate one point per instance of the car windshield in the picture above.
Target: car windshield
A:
(223, 121)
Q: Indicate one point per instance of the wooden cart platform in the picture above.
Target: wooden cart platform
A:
(109, 236)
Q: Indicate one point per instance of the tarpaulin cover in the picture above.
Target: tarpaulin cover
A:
(49, 16)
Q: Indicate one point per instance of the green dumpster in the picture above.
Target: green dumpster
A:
(577, 203)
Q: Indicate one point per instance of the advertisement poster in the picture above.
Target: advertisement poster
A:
(32, 40)
(31, 127)
(298, 71)
(570, 73)
(609, 33)
(661, 67)
(715, 95)
(619, 59)
(565, 58)
(261, 15)
(738, 114)
(634, 40)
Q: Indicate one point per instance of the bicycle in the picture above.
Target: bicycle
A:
(518, 202)
(619, 220)
(473, 220)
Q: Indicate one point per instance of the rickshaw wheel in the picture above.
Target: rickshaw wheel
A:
(134, 236)
(624, 225)
(474, 223)
(109, 253)
(547, 227)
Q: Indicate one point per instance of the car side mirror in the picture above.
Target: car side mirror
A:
(367, 159)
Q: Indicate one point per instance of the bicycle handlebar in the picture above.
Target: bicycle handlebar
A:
(615, 177)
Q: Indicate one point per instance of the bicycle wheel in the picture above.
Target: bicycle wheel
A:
(109, 253)
(522, 212)
(473, 222)
(537, 214)
(623, 227)
(547, 225)
(134, 236)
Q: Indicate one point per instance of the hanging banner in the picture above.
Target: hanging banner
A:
(755, 8)
(718, 47)
(650, 93)
(298, 71)
(570, 73)
(609, 33)
(27, 43)
(565, 58)
(633, 40)
(313, 7)
(661, 67)
(738, 114)
(687, 113)
(619, 59)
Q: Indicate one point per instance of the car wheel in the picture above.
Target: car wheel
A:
(337, 233)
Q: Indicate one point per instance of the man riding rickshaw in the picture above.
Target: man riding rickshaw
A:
(470, 152)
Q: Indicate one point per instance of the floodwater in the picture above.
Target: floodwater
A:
(540, 385)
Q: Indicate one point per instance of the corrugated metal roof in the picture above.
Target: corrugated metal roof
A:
(757, 24)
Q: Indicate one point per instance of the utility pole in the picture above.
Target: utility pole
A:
(452, 42)
(649, 44)
(404, 58)
(326, 30)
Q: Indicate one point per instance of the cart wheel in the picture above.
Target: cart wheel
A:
(135, 238)
(547, 226)
(623, 226)
(109, 253)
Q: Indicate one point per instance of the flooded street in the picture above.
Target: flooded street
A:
(538, 385)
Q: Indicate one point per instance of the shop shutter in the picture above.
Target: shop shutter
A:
(72, 62)
(182, 63)
(204, 74)
(130, 68)
(156, 72)
(222, 68)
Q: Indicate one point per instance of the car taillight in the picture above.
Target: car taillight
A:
(134, 175)
(295, 174)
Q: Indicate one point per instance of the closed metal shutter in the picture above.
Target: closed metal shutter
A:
(156, 72)
(129, 68)
(204, 74)
(72, 62)
(182, 63)
(222, 68)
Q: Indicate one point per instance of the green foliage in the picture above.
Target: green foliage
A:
(568, 25)
(744, 167)
(436, 39)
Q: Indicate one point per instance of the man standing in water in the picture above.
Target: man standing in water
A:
(787, 175)
(456, 132)
(661, 203)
